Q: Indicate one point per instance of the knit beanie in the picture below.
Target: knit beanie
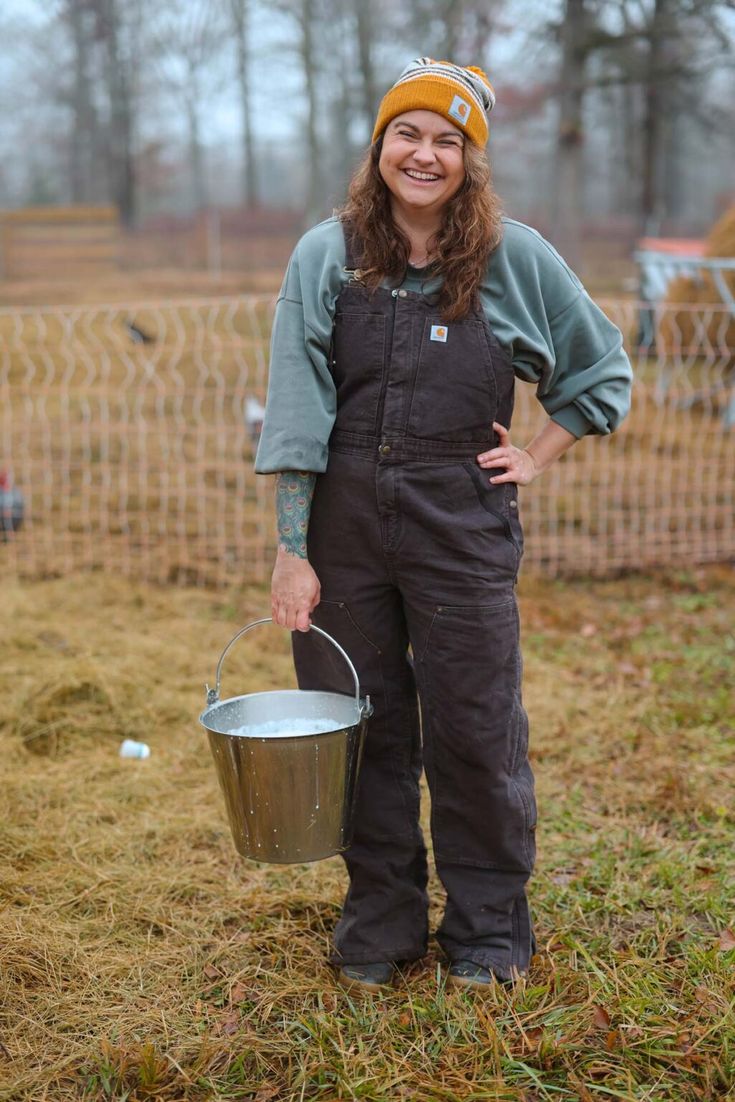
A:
(464, 96)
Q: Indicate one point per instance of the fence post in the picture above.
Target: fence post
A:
(214, 243)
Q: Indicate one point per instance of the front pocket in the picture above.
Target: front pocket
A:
(454, 392)
(358, 363)
(497, 500)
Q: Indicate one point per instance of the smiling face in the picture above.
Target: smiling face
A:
(422, 161)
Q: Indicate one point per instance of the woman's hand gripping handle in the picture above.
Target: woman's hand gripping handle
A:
(295, 589)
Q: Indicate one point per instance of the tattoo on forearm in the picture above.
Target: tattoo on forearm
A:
(294, 491)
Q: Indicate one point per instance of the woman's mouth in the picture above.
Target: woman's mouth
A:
(421, 177)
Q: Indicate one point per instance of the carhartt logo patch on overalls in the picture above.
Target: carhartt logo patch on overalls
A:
(460, 110)
(438, 333)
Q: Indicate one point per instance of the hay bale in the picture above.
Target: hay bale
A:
(77, 703)
(677, 331)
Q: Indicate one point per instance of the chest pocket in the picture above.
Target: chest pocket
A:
(454, 394)
(358, 362)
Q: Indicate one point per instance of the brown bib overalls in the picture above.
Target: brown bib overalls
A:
(414, 548)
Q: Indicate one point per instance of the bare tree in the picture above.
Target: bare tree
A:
(82, 146)
(118, 35)
(456, 29)
(240, 14)
(365, 16)
(569, 193)
(306, 17)
(188, 38)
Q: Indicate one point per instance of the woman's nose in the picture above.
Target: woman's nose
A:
(424, 153)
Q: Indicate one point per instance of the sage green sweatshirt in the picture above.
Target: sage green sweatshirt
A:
(554, 333)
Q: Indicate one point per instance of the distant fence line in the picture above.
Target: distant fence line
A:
(82, 242)
(125, 433)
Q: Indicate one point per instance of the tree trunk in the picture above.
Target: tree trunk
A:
(453, 13)
(653, 202)
(200, 194)
(84, 126)
(120, 94)
(569, 191)
(365, 46)
(343, 106)
(240, 12)
(314, 195)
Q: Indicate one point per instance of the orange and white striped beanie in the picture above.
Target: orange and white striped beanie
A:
(464, 96)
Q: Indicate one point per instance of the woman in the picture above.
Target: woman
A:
(400, 327)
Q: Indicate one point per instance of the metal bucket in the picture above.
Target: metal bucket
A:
(288, 796)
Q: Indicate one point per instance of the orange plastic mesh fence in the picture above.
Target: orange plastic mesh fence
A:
(128, 433)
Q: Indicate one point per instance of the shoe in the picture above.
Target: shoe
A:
(367, 977)
(466, 973)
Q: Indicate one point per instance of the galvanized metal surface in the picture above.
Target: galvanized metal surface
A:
(288, 797)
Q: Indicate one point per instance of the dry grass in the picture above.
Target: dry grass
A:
(142, 959)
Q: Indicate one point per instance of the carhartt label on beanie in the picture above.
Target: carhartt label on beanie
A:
(463, 95)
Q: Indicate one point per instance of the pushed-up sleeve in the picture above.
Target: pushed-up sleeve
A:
(301, 403)
(560, 339)
(589, 385)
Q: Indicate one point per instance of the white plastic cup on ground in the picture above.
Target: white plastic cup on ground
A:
(129, 748)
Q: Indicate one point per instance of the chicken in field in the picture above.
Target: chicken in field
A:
(254, 414)
(137, 334)
(12, 506)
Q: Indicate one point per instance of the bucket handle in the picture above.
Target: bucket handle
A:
(213, 694)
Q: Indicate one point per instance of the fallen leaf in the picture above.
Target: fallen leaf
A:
(533, 1037)
(230, 1023)
(588, 630)
(239, 993)
(727, 941)
(704, 996)
(613, 1040)
(601, 1018)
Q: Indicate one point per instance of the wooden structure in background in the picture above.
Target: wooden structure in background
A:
(77, 242)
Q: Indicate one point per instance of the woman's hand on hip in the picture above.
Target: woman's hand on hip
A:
(295, 591)
(520, 466)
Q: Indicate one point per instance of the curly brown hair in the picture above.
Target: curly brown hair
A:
(471, 229)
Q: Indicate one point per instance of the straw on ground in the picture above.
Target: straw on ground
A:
(142, 959)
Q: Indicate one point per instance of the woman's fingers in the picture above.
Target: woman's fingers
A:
(302, 620)
(295, 592)
(292, 617)
(493, 458)
(488, 459)
(502, 433)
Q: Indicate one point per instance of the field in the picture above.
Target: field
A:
(141, 959)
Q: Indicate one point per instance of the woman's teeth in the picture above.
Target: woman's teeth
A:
(420, 175)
